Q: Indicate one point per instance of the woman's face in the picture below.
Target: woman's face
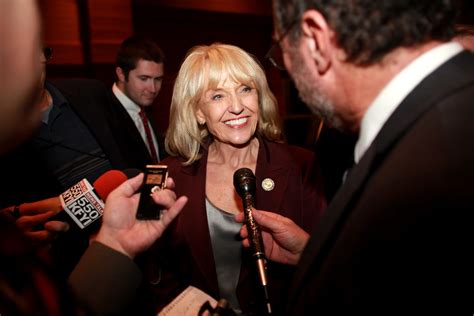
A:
(230, 112)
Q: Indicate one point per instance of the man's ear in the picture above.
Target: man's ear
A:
(120, 74)
(317, 34)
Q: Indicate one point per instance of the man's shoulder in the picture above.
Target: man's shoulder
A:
(86, 96)
(80, 84)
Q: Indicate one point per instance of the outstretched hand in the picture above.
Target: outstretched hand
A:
(34, 220)
(284, 241)
(121, 230)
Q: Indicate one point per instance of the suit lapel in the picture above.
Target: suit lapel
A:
(196, 224)
(274, 168)
(436, 86)
(125, 124)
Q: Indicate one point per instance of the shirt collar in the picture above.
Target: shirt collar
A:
(396, 90)
(127, 103)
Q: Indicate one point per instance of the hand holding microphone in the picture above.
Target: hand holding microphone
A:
(120, 229)
(30, 216)
(244, 183)
(42, 221)
(284, 241)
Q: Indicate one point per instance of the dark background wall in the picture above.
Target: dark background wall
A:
(177, 30)
(85, 35)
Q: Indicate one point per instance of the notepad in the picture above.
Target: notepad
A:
(187, 303)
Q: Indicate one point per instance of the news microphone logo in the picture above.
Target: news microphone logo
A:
(82, 204)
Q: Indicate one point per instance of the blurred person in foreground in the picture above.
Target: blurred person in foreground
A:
(397, 236)
(76, 139)
(224, 117)
(28, 286)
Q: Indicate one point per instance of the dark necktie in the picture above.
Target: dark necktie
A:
(149, 138)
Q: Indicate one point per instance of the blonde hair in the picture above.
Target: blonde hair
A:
(204, 68)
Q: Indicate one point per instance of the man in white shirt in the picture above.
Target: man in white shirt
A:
(140, 71)
(397, 236)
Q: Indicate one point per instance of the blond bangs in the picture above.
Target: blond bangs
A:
(225, 62)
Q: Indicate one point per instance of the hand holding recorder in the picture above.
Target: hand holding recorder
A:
(122, 231)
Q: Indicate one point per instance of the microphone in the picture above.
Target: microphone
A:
(108, 182)
(244, 183)
(84, 203)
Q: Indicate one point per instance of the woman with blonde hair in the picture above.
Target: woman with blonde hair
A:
(224, 117)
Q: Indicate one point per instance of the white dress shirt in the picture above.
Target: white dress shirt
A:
(396, 90)
(133, 109)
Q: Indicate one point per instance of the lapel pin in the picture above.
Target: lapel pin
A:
(268, 184)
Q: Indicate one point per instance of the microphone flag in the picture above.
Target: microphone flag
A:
(82, 204)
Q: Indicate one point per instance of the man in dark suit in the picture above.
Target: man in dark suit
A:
(140, 72)
(396, 237)
(76, 139)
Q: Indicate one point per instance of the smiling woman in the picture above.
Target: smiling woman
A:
(224, 117)
(230, 112)
(224, 65)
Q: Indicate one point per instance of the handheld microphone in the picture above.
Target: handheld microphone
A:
(244, 183)
(84, 203)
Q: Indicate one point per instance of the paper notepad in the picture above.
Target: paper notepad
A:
(188, 303)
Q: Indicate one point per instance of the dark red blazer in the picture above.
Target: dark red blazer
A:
(184, 255)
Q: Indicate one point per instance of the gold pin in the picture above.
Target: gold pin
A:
(268, 184)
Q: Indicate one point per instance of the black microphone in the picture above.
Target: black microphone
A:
(244, 183)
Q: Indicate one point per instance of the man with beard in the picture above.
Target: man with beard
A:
(396, 236)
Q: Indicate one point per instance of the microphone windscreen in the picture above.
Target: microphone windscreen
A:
(244, 181)
(108, 181)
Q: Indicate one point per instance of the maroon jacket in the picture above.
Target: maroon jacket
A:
(184, 255)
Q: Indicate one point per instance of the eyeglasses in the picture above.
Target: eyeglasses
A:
(47, 53)
(275, 53)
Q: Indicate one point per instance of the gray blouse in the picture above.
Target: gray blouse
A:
(227, 250)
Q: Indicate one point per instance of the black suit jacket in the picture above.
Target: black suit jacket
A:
(130, 139)
(25, 174)
(27, 178)
(397, 237)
